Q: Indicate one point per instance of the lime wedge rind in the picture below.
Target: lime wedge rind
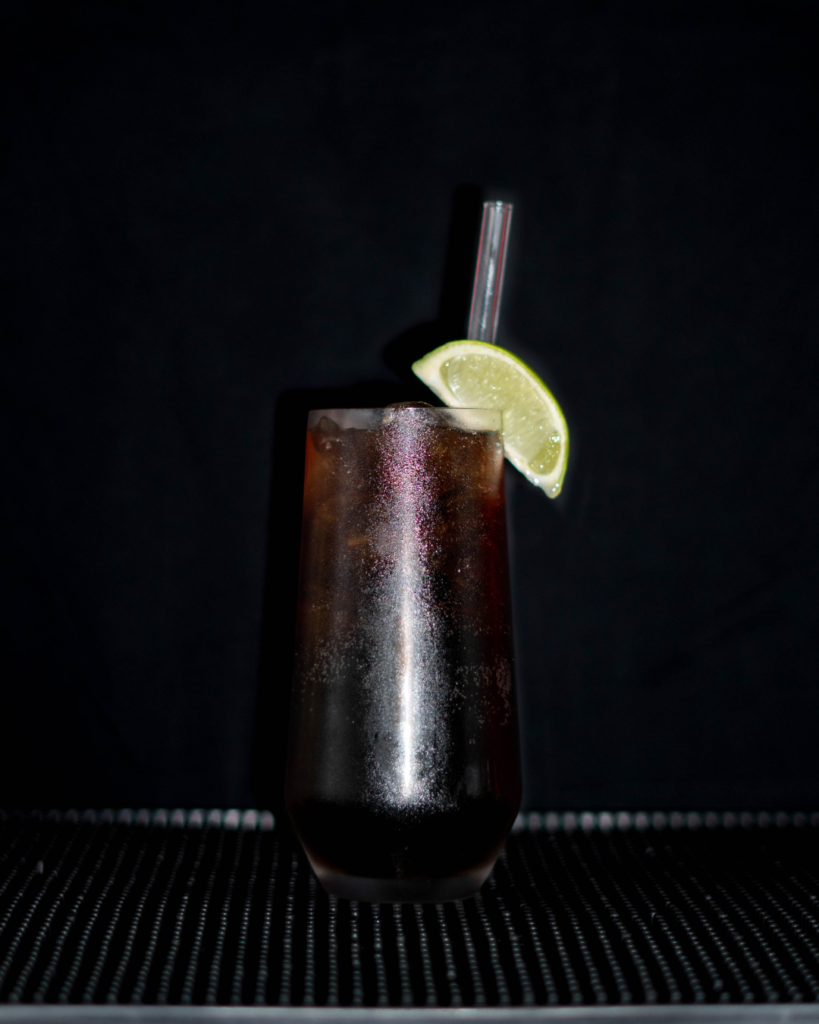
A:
(475, 374)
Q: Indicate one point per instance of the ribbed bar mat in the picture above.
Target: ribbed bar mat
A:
(199, 908)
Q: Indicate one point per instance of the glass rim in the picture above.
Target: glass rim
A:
(373, 417)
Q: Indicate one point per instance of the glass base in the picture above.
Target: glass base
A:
(402, 890)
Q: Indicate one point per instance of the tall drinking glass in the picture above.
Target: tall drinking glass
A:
(403, 774)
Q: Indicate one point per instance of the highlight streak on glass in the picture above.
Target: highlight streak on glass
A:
(407, 704)
(489, 268)
(408, 658)
(409, 490)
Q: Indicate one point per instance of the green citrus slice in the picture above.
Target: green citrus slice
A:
(476, 375)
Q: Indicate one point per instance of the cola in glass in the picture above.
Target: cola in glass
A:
(403, 775)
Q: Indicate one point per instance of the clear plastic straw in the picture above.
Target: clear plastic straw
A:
(488, 287)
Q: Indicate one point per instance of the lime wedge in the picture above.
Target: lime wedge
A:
(476, 375)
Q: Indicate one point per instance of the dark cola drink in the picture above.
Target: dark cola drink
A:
(403, 775)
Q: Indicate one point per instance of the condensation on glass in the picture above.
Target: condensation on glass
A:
(403, 773)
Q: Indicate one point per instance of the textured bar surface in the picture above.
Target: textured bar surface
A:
(582, 910)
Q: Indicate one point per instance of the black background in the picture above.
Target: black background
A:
(214, 216)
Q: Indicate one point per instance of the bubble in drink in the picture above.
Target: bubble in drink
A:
(403, 774)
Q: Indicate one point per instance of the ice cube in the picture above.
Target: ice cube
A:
(326, 434)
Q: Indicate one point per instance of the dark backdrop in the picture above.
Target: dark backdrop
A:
(215, 215)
